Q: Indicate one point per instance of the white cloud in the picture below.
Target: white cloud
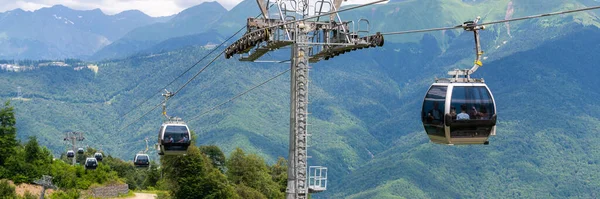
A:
(150, 7)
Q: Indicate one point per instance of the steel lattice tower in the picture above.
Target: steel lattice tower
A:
(312, 38)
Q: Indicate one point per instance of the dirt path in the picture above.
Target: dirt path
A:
(144, 196)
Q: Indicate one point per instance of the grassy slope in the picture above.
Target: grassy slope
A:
(545, 145)
(360, 106)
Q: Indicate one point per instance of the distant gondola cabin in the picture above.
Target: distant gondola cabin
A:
(91, 163)
(173, 137)
(70, 153)
(98, 156)
(141, 160)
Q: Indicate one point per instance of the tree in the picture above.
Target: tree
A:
(279, 173)
(64, 175)
(38, 159)
(8, 132)
(252, 171)
(193, 176)
(7, 190)
(216, 156)
(152, 176)
(248, 192)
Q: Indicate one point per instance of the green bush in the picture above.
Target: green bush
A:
(7, 190)
(69, 194)
(28, 195)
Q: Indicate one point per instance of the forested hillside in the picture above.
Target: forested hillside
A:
(203, 172)
(364, 105)
(545, 147)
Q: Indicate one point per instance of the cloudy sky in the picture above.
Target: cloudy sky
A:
(151, 7)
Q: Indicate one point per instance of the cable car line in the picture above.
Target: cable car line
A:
(222, 52)
(198, 73)
(342, 10)
(178, 90)
(213, 108)
(465, 26)
(493, 22)
(187, 70)
(144, 115)
(239, 95)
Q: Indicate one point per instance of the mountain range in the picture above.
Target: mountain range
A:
(364, 105)
(192, 21)
(61, 32)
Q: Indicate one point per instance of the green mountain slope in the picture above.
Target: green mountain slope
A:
(364, 109)
(545, 146)
(194, 20)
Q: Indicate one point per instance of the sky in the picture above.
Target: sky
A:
(153, 8)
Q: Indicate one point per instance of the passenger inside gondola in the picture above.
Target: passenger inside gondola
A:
(482, 114)
(184, 139)
(174, 134)
(463, 113)
(473, 113)
(453, 112)
(435, 115)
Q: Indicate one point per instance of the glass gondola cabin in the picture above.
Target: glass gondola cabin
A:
(91, 163)
(141, 160)
(98, 156)
(459, 112)
(70, 153)
(173, 137)
(80, 150)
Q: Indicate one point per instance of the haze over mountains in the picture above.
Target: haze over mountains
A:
(61, 32)
(194, 20)
(364, 106)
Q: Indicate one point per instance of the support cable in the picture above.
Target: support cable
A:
(187, 70)
(158, 105)
(239, 95)
(291, 22)
(494, 22)
(178, 90)
(196, 75)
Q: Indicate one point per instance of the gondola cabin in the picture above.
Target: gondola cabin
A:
(141, 160)
(80, 150)
(91, 163)
(70, 154)
(98, 156)
(459, 112)
(173, 137)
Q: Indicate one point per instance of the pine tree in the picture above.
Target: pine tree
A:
(194, 176)
(216, 156)
(8, 132)
(252, 171)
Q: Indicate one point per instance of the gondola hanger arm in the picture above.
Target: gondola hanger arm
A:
(475, 28)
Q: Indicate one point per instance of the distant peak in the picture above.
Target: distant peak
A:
(135, 13)
(206, 6)
(59, 6)
(17, 10)
(210, 4)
